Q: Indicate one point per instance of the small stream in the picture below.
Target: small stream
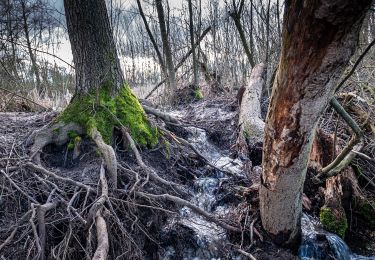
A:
(210, 238)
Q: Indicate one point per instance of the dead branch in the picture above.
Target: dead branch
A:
(165, 116)
(18, 188)
(331, 169)
(59, 178)
(248, 255)
(193, 207)
(15, 229)
(20, 96)
(360, 58)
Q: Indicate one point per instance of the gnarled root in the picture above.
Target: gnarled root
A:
(51, 133)
(102, 249)
(109, 157)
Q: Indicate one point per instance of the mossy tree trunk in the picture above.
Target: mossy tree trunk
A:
(318, 38)
(102, 98)
(93, 47)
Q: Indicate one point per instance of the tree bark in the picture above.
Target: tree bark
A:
(94, 52)
(319, 38)
(250, 120)
(166, 48)
(191, 28)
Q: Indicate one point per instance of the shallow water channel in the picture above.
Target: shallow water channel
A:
(210, 238)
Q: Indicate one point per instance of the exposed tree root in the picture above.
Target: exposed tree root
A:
(51, 133)
(118, 215)
(146, 168)
(42, 210)
(109, 156)
(101, 252)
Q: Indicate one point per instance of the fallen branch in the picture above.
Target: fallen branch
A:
(250, 256)
(20, 96)
(15, 229)
(193, 207)
(42, 210)
(18, 188)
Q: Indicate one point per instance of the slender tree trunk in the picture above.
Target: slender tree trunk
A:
(153, 41)
(319, 38)
(236, 15)
(191, 27)
(166, 48)
(34, 65)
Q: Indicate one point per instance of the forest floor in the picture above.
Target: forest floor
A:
(206, 168)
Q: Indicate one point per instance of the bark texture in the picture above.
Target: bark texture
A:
(319, 38)
(250, 120)
(166, 47)
(93, 47)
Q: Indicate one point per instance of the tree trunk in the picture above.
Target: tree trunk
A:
(250, 120)
(34, 65)
(152, 39)
(93, 47)
(166, 48)
(236, 15)
(319, 38)
(191, 27)
(102, 100)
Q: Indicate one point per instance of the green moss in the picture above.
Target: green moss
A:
(167, 145)
(333, 223)
(72, 134)
(103, 112)
(198, 94)
(71, 145)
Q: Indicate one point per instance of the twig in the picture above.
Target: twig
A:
(245, 254)
(11, 236)
(355, 65)
(28, 99)
(18, 188)
(53, 175)
(195, 208)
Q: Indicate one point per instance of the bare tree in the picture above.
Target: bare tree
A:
(319, 38)
(191, 29)
(166, 47)
(235, 13)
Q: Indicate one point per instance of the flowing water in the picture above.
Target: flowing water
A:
(210, 238)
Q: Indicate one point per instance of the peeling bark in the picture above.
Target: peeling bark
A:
(319, 38)
(250, 120)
